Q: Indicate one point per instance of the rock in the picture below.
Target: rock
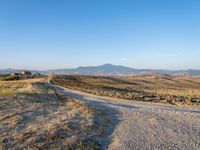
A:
(181, 98)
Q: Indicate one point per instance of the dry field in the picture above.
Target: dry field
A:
(177, 90)
(33, 115)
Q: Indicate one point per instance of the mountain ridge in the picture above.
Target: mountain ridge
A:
(109, 70)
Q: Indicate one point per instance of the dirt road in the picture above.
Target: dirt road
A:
(148, 126)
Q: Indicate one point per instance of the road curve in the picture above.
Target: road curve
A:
(147, 126)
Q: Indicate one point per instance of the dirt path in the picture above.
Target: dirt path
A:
(148, 126)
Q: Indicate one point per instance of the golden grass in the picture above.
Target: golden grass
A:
(35, 116)
(12, 87)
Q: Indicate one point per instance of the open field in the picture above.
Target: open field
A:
(34, 115)
(177, 90)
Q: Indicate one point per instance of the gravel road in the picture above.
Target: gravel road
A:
(147, 126)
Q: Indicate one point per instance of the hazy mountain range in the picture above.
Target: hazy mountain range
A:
(109, 70)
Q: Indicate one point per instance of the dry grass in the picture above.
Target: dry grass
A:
(35, 116)
(154, 88)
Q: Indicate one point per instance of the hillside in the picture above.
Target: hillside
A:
(34, 115)
(114, 70)
(149, 88)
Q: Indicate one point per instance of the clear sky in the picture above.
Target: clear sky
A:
(47, 34)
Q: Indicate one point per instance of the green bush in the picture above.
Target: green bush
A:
(8, 78)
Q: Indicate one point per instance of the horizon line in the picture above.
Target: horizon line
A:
(16, 68)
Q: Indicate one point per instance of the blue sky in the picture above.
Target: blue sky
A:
(47, 34)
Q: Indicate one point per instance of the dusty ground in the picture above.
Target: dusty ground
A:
(36, 116)
(148, 126)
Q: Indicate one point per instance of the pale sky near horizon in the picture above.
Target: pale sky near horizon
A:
(49, 34)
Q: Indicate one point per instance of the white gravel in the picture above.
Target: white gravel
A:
(148, 126)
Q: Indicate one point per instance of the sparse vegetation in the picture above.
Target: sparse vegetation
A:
(36, 116)
(152, 88)
(20, 76)
(7, 77)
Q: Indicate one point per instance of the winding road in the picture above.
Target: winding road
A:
(147, 126)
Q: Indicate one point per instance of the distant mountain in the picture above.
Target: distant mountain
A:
(107, 69)
(113, 70)
(110, 70)
(9, 70)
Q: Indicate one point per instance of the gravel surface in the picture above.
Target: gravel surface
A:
(148, 126)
